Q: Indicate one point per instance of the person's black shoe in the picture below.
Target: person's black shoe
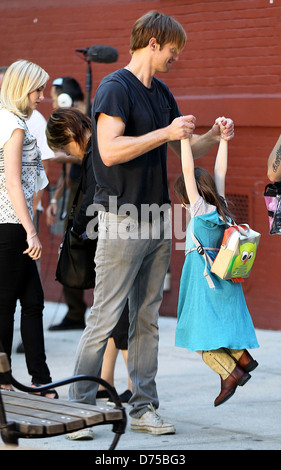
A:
(103, 395)
(67, 324)
(125, 396)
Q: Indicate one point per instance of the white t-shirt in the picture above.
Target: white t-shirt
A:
(33, 176)
(37, 126)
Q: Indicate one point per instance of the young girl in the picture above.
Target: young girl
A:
(21, 175)
(212, 321)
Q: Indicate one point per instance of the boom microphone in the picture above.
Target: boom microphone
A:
(100, 53)
(83, 51)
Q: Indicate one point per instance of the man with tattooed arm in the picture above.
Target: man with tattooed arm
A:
(274, 163)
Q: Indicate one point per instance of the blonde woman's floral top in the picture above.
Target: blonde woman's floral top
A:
(33, 176)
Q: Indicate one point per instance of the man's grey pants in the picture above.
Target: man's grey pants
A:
(131, 263)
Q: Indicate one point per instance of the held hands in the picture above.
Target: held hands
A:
(183, 128)
(223, 128)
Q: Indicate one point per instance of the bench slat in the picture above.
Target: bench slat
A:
(30, 426)
(58, 407)
(53, 422)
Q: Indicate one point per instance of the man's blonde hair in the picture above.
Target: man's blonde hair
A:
(163, 28)
(21, 79)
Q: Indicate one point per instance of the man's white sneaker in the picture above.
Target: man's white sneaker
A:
(83, 435)
(151, 422)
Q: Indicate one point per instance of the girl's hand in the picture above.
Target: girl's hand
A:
(223, 128)
(220, 122)
(34, 249)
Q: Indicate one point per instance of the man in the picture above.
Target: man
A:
(134, 118)
(273, 164)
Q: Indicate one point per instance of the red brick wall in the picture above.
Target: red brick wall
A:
(230, 66)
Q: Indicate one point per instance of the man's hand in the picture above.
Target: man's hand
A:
(182, 128)
(51, 213)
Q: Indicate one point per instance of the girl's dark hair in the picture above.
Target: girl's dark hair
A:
(65, 125)
(207, 189)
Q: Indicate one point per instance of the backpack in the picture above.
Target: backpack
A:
(236, 255)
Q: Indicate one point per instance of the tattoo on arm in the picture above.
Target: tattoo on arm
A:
(276, 163)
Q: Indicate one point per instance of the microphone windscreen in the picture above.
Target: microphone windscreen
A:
(102, 54)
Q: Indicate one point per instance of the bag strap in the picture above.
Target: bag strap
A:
(64, 192)
(202, 251)
(79, 188)
(75, 199)
(241, 228)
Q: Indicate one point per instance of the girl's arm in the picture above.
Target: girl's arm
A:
(221, 164)
(13, 166)
(187, 163)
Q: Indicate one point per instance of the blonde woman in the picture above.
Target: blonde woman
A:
(21, 175)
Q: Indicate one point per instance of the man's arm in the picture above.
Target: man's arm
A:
(274, 163)
(116, 148)
(39, 194)
(63, 184)
(201, 144)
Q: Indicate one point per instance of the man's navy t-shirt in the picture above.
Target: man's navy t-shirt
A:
(142, 180)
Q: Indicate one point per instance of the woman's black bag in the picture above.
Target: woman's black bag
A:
(76, 267)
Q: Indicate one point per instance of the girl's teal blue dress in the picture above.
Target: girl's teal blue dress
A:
(210, 318)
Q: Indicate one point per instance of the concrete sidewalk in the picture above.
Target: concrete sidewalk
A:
(250, 420)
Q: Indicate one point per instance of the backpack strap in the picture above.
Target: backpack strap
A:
(202, 251)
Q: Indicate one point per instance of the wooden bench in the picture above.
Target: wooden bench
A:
(25, 415)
